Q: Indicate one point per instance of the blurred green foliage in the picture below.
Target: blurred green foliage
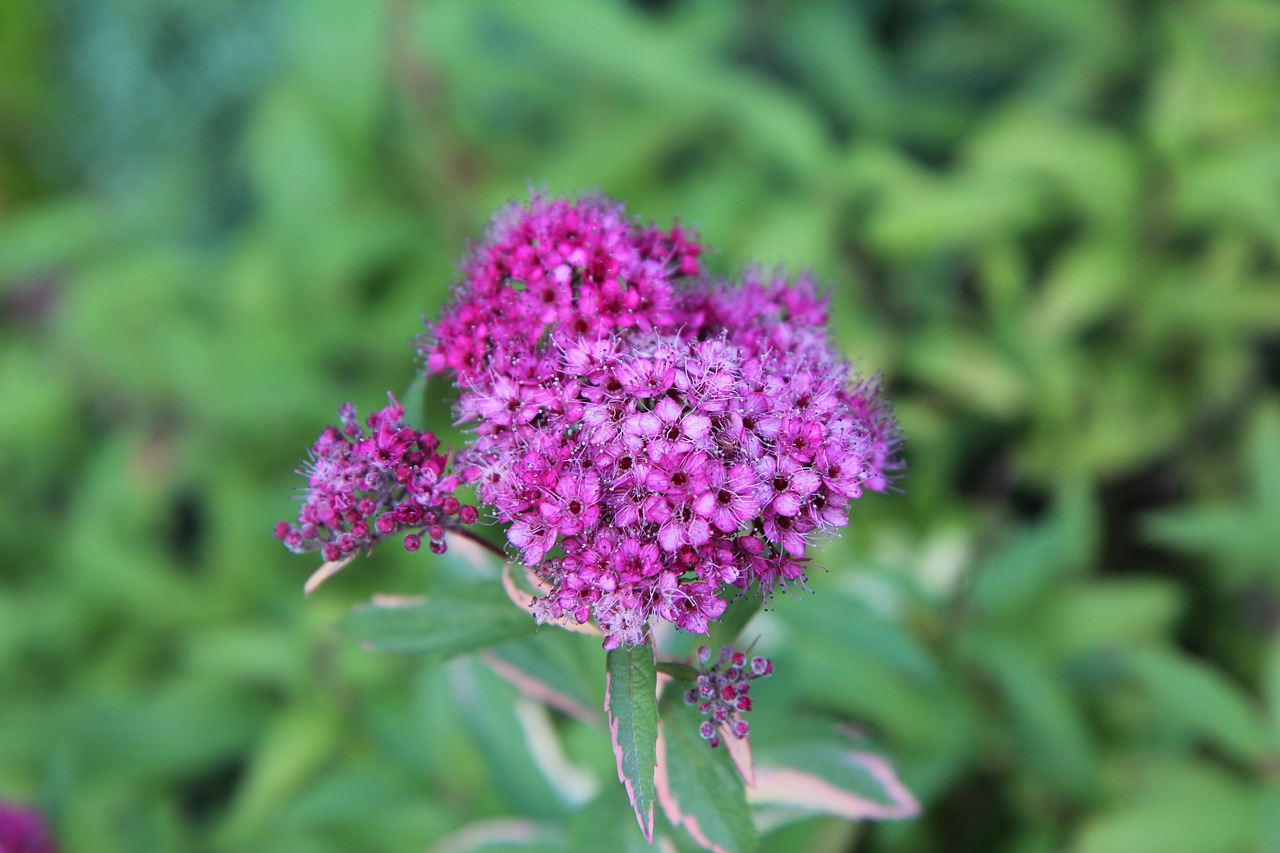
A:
(1055, 227)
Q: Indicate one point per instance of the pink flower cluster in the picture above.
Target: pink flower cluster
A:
(576, 269)
(720, 692)
(366, 487)
(649, 439)
(23, 830)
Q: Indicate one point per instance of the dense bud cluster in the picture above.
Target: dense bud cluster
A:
(364, 487)
(720, 692)
(650, 439)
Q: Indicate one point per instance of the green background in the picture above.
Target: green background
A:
(1053, 226)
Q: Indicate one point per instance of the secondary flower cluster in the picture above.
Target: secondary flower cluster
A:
(651, 439)
(23, 831)
(366, 487)
(721, 692)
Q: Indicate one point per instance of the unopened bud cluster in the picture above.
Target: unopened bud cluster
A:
(721, 692)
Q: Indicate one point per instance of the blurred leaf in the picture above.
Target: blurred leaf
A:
(965, 209)
(1050, 736)
(45, 239)
(631, 680)
(1085, 284)
(842, 623)
(1263, 456)
(697, 788)
(1184, 808)
(551, 667)
(441, 626)
(1269, 818)
(678, 671)
(626, 50)
(1033, 558)
(831, 778)
(606, 823)
(292, 749)
(1067, 159)
(523, 759)
(1199, 697)
(1107, 615)
(968, 368)
(502, 836)
(1241, 534)
(1271, 691)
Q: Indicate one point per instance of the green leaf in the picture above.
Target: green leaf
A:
(1242, 537)
(1046, 723)
(1106, 615)
(1201, 699)
(549, 667)
(678, 671)
(829, 778)
(605, 824)
(442, 626)
(698, 789)
(1177, 808)
(630, 682)
(521, 758)
(1035, 558)
(1269, 818)
(1264, 456)
(1271, 690)
(513, 835)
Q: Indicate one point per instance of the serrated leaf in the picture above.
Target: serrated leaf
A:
(631, 679)
(832, 779)
(698, 789)
(442, 626)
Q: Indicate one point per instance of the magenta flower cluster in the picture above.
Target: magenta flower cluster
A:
(720, 692)
(652, 440)
(23, 830)
(364, 487)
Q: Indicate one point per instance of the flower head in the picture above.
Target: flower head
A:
(650, 440)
